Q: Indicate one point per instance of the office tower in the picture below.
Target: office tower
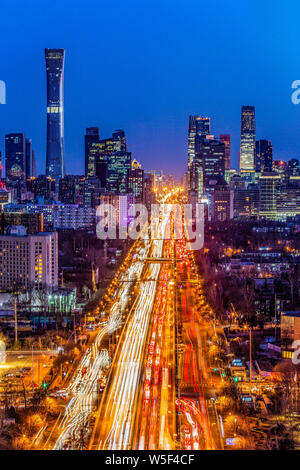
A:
(119, 139)
(213, 157)
(269, 184)
(288, 201)
(55, 159)
(1, 166)
(28, 260)
(69, 189)
(30, 164)
(247, 149)
(118, 166)
(263, 156)
(246, 201)
(196, 184)
(136, 181)
(33, 164)
(15, 159)
(199, 128)
(91, 190)
(90, 152)
(98, 151)
(225, 139)
(222, 202)
(43, 187)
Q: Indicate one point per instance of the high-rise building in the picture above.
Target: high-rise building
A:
(33, 164)
(118, 166)
(246, 201)
(263, 156)
(222, 202)
(136, 180)
(199, 128)
(225, 139)
(28, 261)
(98, 151)
(30, 164)
(55, 159)
(269, 184)
(248, 136)
(15, 157)
(43, 187)
(90, 151)
(199, 131)
(119, 139)
(213, 157)
(91, 190)
(69, 189)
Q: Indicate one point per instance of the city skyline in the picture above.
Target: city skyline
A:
(149, 228)
(153, 100)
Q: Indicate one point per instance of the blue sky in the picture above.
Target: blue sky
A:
(145, 66)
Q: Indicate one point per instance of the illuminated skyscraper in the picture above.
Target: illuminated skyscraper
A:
(118, 166)
(225, 138)
(199, 128)
(247, 149)
(55, 160)
(263, 156)
(91, 138)
(136, 180)
(15, 157)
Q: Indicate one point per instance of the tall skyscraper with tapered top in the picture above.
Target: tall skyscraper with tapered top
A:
(55, 159)
(248, 139)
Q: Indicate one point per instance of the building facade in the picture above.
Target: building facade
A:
(248, 138)
(28, 261)
(55, 159)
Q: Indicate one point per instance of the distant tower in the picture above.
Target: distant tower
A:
(247, 150)
(15, 158)
(55, 159)
(225, 138)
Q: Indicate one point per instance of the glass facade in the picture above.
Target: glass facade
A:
(15, 157)
(55, 161)
(247, 149)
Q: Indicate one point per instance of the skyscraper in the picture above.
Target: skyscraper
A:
(55, 160)
(29, 158)
(225, 138)
(199, 128)
(90, 151)
(263, 156)
(118, 166)
(15, 158)
(247, 149)
(136, 180)
(119, 139)
(213, 155)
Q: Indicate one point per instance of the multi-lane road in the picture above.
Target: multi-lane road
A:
(155, 393)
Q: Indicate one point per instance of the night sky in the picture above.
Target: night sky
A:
(144, 66)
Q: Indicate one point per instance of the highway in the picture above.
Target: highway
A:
(118, 408)
(155, 396)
